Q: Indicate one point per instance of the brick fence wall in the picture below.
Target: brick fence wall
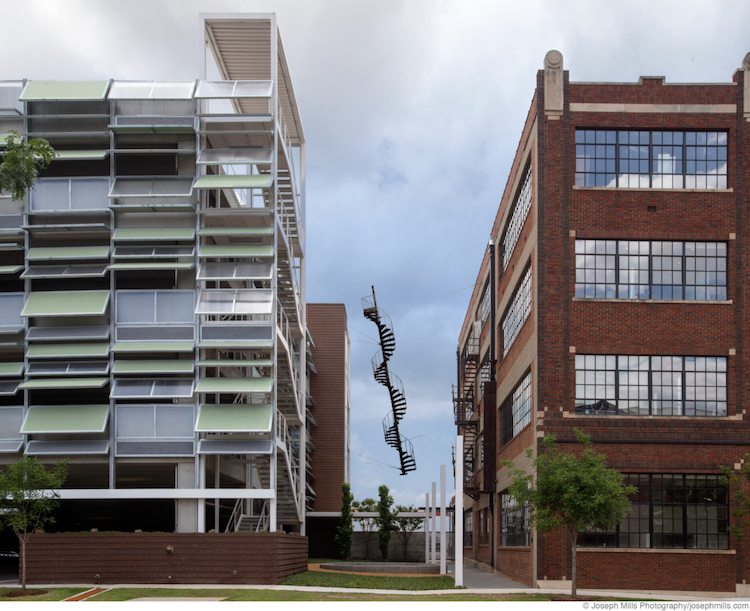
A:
(232, 558)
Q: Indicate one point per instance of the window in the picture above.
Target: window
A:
(517, 313)
(651, 385)
(517, 217)
(484, 375)
(469, 529)
(670, 511)
(645, 159)
(485, 518)
(515, 522)
(516, 411)
(612, 269)
(485, 305)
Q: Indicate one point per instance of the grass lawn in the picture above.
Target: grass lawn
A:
(376, 582)
(51, 594)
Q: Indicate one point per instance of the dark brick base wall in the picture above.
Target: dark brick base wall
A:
(143, 558)
(699, 571)
(516, 563)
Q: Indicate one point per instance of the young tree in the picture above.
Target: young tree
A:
(573, 493)
(405, 527)
(367, 524)
(346, 527)
(28, 495)
(21, 163)
(384, 521)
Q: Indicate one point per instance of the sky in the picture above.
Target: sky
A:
(412, 111)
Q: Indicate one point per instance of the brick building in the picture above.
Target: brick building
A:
(613, 298)
(329, 429)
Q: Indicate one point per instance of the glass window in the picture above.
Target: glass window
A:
(517, 217)
(517, 312)
(155, 307)
(651, 385)
(515, 413)
(629, 269)
(515, 522)
(645, 159)
(670, 511)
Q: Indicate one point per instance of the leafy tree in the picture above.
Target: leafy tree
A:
(405, 527)
(22, 162)
(346, 527)
(573, 493)
(367, 524)
(28, 495)
(741, 506)
(384, 521)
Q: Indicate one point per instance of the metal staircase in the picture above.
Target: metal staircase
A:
(466, 411)
(391, 381)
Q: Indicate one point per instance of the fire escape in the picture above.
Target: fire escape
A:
(391, 381)
(466, 410)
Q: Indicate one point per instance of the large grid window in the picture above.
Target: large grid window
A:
(651, 385)
(469, 529)
(517, 218)
(670, 511)
(515, 523)
(485, 305)
(517, 312)
(651, 159)
(516, 411)
(631, 269)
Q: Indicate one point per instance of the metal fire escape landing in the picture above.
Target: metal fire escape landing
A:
(391, 381)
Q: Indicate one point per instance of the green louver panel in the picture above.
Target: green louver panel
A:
(40, 351)
(235, 231)
(82, 155)
(75, 252)
(10, 269)
(234, 385)
(64, 90)
(154, 235)
(234, 419)
(66, 303)
(153, 347)
(65, 383)
(236, 363)
(236, 250)
(149, 265)
(182, 366)
(233, 181)
(11, 369)
(66, 419)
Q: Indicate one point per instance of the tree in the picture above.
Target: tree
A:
(405, 527)
(28, 496)
(22, 162)
(346, 527)
(384, 521)
(741, 506)
(573, 493)
(367, 524)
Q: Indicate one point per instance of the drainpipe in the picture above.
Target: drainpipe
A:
(493, 546)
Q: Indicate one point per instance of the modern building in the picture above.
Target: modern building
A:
(613, 298)
(152, 297)
(328, 442)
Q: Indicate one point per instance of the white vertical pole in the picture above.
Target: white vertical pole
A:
(217, 485)
(433, 556)
(458, 535)
(202, 486)
(427, 528)
(443, 546)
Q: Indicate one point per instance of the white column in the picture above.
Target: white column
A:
(433, 556)
(427, 528)
(272, 515)
(443, 547)
(458, 535)
(217, 485)
(202, 486)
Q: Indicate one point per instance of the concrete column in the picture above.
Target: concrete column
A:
(458, 535)
(433, 555)
(217, 485)
(187, 509)
(443, 540)
(427, 528)
(553, 85)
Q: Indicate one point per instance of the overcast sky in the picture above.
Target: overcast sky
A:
(412, 112)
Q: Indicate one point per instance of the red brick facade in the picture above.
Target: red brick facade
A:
(561, 326)
(234, 558)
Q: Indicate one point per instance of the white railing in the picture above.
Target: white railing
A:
(235, 518)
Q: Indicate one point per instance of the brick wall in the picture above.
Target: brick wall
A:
(516, 563)
(327, 323)
(239, 558)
